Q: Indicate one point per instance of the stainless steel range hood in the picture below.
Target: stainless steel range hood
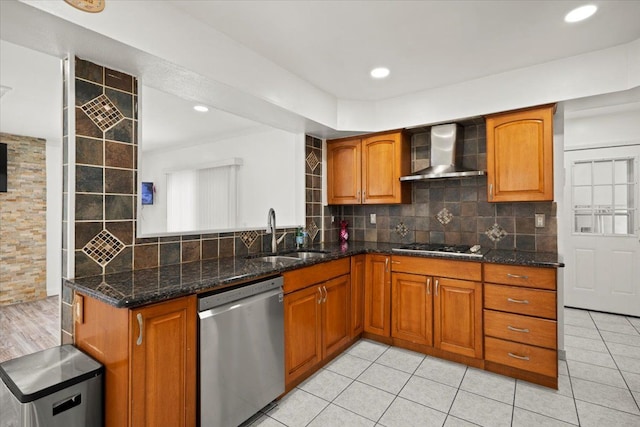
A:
(446, 155)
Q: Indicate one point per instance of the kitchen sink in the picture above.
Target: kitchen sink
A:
(282, 259)
(306, 254)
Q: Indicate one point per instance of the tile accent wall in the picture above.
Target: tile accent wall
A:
(313, 188)
(105, 190)
(453, 211)
(23, 221)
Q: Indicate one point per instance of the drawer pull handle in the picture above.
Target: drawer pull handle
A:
(511, 328)
(515, 356)
(517, 276)
(141, 326)
(518, 301)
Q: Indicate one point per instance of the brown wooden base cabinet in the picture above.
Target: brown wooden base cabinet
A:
(150, 356)
(377, 295)
(433, 309)
(317, 317)
(520, 332)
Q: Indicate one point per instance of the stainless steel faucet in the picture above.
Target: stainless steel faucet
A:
(271, 228)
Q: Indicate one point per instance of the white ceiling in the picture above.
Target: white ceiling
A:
(330, 45)
(426, 44)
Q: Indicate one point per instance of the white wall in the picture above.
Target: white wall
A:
(34, 108)
(272, 175)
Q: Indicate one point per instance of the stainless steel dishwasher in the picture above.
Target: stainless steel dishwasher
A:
(241, 352)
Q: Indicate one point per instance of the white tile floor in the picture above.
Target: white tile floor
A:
(376, 385)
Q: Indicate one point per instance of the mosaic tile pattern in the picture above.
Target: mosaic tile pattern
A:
(312, 161)
(496, 233)
(103, 247)
(312, 229)
(103, 112)
(402, 229)
(444, 216)
(249, 237)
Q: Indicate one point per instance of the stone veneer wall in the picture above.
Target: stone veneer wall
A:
(106, 189)
(23, 272)
(452, 211)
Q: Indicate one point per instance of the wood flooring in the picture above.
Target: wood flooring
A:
(29, 327)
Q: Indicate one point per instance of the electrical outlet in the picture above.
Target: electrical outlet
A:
(333, 219)
(372, 218)
(539, 220)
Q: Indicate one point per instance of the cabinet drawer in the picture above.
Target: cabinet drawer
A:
(465, 270)
(522, 356)
(529, 277)
(306, 276)
(531, 302)
(523, 329)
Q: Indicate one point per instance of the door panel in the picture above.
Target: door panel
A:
(458, 316)
(412, 312)
(336, 314)
(377, 295)
(602, 263)
(302, 331)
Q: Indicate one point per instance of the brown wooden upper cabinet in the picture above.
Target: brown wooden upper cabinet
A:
(367, 169)
(520, 155)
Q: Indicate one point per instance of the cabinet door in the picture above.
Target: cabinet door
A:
(458, 316)
(357, 295)
(377, 295)
(412, 308)
(163, 363)
(384, 159)
(520, 155)
(335, 314)
(302, 331)
(344, 172)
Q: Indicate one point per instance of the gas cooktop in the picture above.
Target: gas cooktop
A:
(442, 249)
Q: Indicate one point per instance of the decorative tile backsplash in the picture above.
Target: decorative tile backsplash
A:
(454, 211)
(103, 247)
(102, 112)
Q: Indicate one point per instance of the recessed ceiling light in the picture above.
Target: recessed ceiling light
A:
(201, 108)
(379, 73)
(580, 13)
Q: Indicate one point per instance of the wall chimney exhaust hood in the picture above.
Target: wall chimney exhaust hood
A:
(446, 155)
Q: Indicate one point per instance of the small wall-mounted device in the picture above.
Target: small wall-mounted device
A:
(539, 220)
(3, 167)
(146, 193)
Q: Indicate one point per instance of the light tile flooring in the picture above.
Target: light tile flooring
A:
(376, 385)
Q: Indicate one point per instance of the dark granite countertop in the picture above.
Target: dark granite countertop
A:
(140, 287)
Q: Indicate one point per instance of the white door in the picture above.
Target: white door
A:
(603, 249)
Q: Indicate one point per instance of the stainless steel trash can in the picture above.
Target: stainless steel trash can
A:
(60, 386)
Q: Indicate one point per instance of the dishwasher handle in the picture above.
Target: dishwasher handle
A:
(241, 303)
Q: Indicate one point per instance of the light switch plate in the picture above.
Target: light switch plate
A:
(539, 220)
(372, 218)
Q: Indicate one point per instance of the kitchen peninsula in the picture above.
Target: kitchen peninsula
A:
(108, 310)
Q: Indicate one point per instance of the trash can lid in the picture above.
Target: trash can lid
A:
(40, 374)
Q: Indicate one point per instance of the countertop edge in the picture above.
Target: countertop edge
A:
(102, 291)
